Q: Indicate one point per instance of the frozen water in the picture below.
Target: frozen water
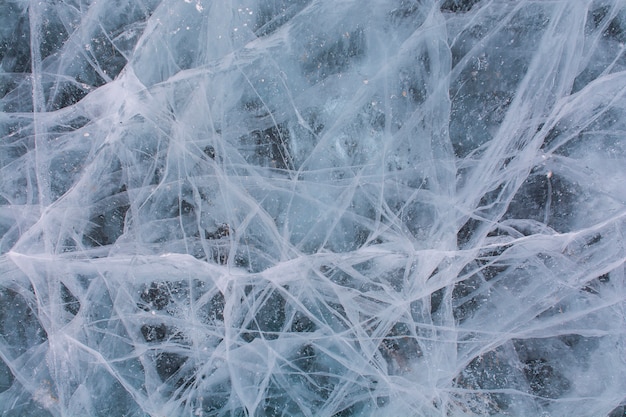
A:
(312, 208)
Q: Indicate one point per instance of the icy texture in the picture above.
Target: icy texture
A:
(312, 208)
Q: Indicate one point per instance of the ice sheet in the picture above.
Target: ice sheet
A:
(312, 208)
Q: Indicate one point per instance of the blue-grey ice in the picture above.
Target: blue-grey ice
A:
(317, 208)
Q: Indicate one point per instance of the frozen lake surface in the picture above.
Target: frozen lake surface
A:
(312, 208)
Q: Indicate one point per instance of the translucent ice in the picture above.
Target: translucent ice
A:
(312, 208)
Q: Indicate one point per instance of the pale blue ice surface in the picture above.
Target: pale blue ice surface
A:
(312, 208)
